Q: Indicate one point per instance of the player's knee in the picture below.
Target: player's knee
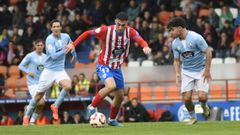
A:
(203, 98)
(187, 99)
(41, 103)
(67, 86)
(39, 96)
(111, 87)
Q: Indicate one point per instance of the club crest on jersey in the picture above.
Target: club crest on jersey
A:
(50, 47)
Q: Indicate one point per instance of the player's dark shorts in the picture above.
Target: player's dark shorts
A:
(105, 72)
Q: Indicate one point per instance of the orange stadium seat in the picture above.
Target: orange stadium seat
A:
(159, 93)
(10, 93)
(216, 91)
(232, 90)
(173, 93)
(14, 71)
(85, 65)
(178, 13)
(3, 71)
(164, 17)
(203, 12)
(23, 83)
(133, 93)
(11, 83)
(146, 93)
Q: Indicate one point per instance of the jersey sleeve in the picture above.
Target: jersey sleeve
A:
(69, 39)
(202, 44)
(25, 62)
(176, 53)
(134, 34)
(99, 32)
(51, 50)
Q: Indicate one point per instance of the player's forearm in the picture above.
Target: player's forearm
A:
(208, 59)
(55, 55)
(82, 37)
(176, 65)
(23, 68)
(141, 42)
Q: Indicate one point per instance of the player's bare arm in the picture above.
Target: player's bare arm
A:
(176, 65)
(207, 74)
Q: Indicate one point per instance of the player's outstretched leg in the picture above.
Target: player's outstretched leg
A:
(54, 107)
(37, 110)
(110, 85)
(118, 98)
(31, 106)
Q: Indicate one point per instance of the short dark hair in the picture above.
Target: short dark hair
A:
(55, 20)
(175, 22)
(122, 16)
(39, 40)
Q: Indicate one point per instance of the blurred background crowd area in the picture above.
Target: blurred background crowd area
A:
(24, 21)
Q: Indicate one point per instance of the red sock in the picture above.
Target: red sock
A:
(97, 100)
(113, 112)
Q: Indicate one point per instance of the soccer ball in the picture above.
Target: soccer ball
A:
(97, 120)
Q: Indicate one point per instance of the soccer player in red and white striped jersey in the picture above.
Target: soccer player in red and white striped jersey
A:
(115, 48)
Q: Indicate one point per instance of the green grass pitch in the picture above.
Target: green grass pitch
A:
(151, 128)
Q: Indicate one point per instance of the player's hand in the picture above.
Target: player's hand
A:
(206, 76)
(147, 50)
(70, 48)
(31, 74)
(177, 79)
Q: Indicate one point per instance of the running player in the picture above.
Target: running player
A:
(56, 46)
(33, 65)
(115, 48)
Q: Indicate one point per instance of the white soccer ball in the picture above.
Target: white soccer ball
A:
(97, 120)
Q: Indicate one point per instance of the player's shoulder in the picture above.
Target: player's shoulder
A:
(175, 41)
(44, 55)
(101, 29)
(30, 55)
(65, 35)
(194, 34)
(49, 37)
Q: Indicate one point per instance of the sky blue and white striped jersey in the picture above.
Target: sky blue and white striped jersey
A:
(191, 51)
(55, 49)
(33, 62)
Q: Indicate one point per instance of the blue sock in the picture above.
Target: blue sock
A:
(60, 98)
(29, 109)
(34, 117)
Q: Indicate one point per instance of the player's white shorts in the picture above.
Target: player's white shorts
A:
(33, 90)
(48, 77)
(193, 81)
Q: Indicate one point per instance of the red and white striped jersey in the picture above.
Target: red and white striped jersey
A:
(115, 46)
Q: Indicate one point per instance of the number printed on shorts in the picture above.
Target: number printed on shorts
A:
(105, 70)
